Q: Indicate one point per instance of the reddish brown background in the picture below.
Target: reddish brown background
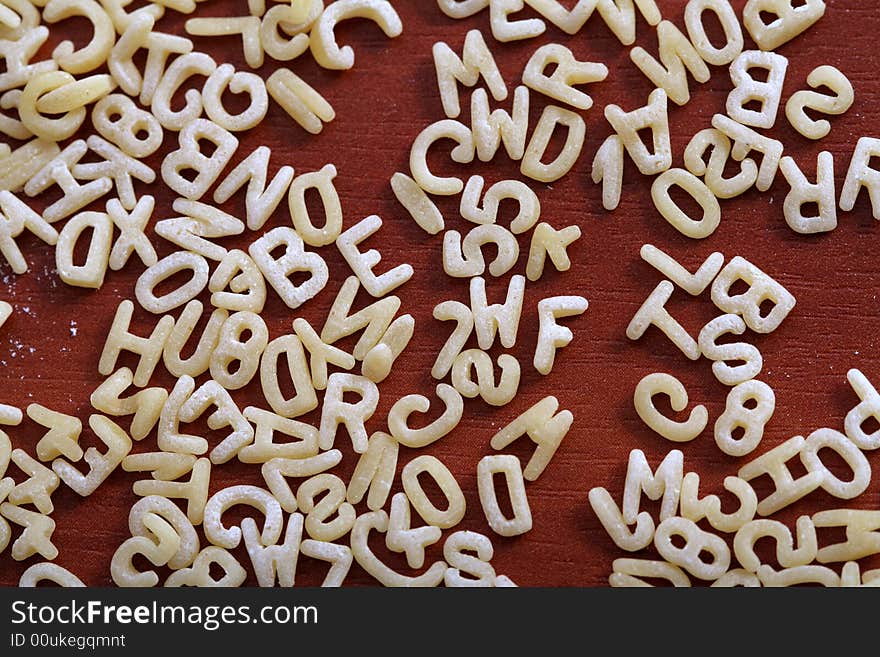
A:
(381, 105)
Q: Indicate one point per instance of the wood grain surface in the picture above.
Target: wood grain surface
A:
(49, 348)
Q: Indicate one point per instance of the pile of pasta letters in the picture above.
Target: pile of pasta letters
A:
(127, 110)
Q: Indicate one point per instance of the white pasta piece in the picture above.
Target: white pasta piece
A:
(851, 576)
(509, 466)
(379, 361)
(159, 47)
(331, 491)
(787, 489)
(190, 158)
(320, 353)
(168, 511)
(179, 71)
(121, 18)
(822, 76)
(661, 383)
(746, 89)
(119, 120)
(546, 240)
(159, 547)
(132, 224)
(677, 57)
(455, 501)
(726, 16)
(628, 573)
(235, 361)
(861, 534)
(810, 574)
(505, 30)
(855, 459)
(476, 61)
(607, 169)
(751, 419)
(745, 140)
(133, 37)
(322, 41)
(544, 426)
(49, 572)
(469, 553)
(210, 560)
(485, 386)
(464, 319)
(335, 411)
(274, 562)
(695, 508)
(295, 259)
(304, 105)
(670, 210)
(790, 20)
(241, 275)
(37, 489)
(822, 193)
(37, 535)
(23, 163)
(91, 272)
(611, 517)
(663, 482)
(462, 8)
(258, 498)
(339, 556)
(750, 304)
(868, 406)
(367, 559)
(146, 406)
(374, 320)
(747, 354)
(737, 577)
(374, 472)
(45, 127)
(363, 262)
(170, 438)
(10, 416)
(628, 126)
(119, 338)
(304, 398)
(402, 537)
(74, 95)
(5, 314)
(322, 181)
(292, 40)
(529, 207)
(532, 164)
(276, 471)
(18, 53)
(224, 78)
(15, 216)
(260, 200)
(168, 266)
(653, 312)
(194, 491)
(264, 448)
(200, 359)
(860, 174)
(226, 414)
(247, 26)
(491, 128)
(421, 208)
(463, 153)
(696, 543)
(164, 466)
(567, 72)
(464, 258)
(100, 465)
(552, 336)
(502, 319)
(713, 172)
(787, 554)
(116, 165)
(694, 284)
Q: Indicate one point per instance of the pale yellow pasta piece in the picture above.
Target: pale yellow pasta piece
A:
(837, 82)
(264, 448)
(132, 225)
(234, 361)
(713, 172)
(18, 54)
(169, 438)
(190, 158)
(45, 127)
(468, 553)
(860, 174)
(696, 543)
(363, 262)
(199, 224)
(455, 501)
(304, 105)
(661, 383)
(628, 126)
(159, 46)
(503, 319)
(379, 361)
(529, 207)
(802, 191)
(331, 491)
(664, 482)
(5, 314)
(304, 398)
(322, 181)
(240, 274)
(322, 41)
(790, 20)
(276, 471)
(476, 61)
(787, 489)
(15, 216)
(402, 537)
(283, 36)
(374, 471)
(462, 8)
(133, 37)
(862, 539)
(374, 319)
(491, 128)
(101, 465)
(762, 288)
(745, 140)
(798, 575)
(737, 577)
(532, 164)
(336, 411)
(677, 57)
(505, 30)
(611, 517)
(49, 572)
(367, 559)
(194, 491)
(200, 574)
(495, 394)
(320, 353)
(420, 207)
(751, 420)
(746, 89)
(91, 272)
(181, 331)
(463, 258)
(544, 426)
(670, 210)
(857, 462)
(787, 554)
(37, 489)
(164, 466)
(6, 485)
(119, 338)
(20, 16)
(339, 556)
(464, 318)
(398, 417)
(258, 498)
(224, 78)
(117, 165)
(695, 508)
(119, 120)
(653, 312)
(546, 240)
(122, 19)
(247, 26)
(274, 562)
(567, 72)
(168, 266)
(277, 270)
(628, 573)
(694, 284)
(260, 200)
(509, 466)
(37, 535)
(851, 575)
(158, 551)
(726, 16)
(23, 163)
(226, 414)
(179, 71)
(868, 406)
(146, 406)
(551, 336)
(463, 153)
(746, 354)
(607, 168)
(75, 94)
(171, 513)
